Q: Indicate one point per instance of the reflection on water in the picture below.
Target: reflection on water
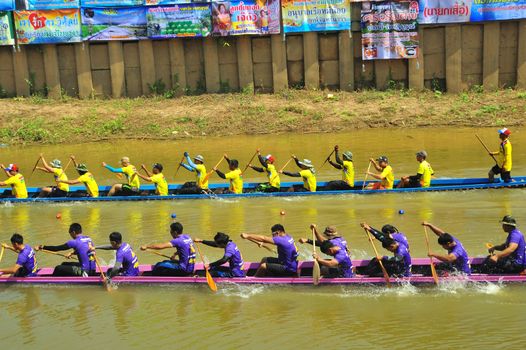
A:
(262, 317)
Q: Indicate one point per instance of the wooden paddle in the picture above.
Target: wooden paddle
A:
(316, 267)
(249, 162)
(280, 170)
(366, 174)
(487, 149)
(328, 157)
(157, 253)
(209, 278)
(56, 253)
(379, 258)
(102, 274)
(261, 245)
(35, 167)
(2, 253)
(207, 176)
(489, 245)
(179, 166)
(433, 269)
(67, 165)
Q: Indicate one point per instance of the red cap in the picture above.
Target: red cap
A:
(12, 167)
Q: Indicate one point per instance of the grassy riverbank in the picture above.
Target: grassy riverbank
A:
(38, 120)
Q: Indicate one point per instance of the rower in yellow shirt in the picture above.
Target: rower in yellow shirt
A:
(423, 175)
(386, 174)
(234, 176)
(504, 163)
(346, 165)
(131, 188)
(307, 174)
(15, 180)
(85, 178)
(274, 181)
(55, 168)
(161, 186)
(201, 182)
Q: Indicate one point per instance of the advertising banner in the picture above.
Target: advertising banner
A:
(389, 30)
(315, 15)
(6, 29)
(106, 24)
(111, 3)
(245, 17)
(7, 5)
(189, 20)
(52, 4)
(47, 26)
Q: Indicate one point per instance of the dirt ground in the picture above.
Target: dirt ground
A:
(40, 120)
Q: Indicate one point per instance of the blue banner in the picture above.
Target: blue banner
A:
(52, 4)
(110, 3)
(189, 20)
(490, 10)
(106, 24)
(457, 11)
(7, 5)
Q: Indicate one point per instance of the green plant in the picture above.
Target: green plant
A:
(224, 87)
(157, 88)
(521, 95)
(3, 92)
(477, 89)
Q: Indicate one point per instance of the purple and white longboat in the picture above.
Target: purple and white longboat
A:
(421, 276)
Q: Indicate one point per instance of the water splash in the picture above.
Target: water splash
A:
(241, 291)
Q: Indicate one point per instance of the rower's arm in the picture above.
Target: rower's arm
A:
(72, 157)
(445, 258)
(379, 235)
(318, 243)
(115, 269)
(291, 174)
(69, 182)
(258, 238)
(43, 169)
(328, 263)
(55, 248)
(46, 166)
(438, 231)
(187, 167)
(146, 178)
(210, 243)
(337, 157)
(114, 170)
(191, 164)
(219, 262)
(297, 162)
(105, 247)
(258, 169)
(11, 270)
(158, 246)
(220, 174)
(5, 170)
(262, 161)
(499, 247)
(319, 237)
(336, 165)
(508, 251)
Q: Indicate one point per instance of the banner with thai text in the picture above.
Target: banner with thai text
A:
(47, 26)
(245, 17)
(106, 24)
(389, 30)
(189, 20)
(463, 11)
(111, 3)
(7, 5)
(7, 36)
(52, 4)
(315, 15)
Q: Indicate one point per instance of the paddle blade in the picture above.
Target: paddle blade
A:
(434, 272)
(211, 282)
(2, 254)
(316, 273)
(384, 271)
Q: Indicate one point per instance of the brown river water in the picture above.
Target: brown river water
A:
(450, 316)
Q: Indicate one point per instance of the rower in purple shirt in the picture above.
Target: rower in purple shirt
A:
(340, 266)
(330, 233)
(457, 259)
(26, 263)
(126, 262)
(232, 256)
(388, 231)
(82, 246)
(185, 250)
(511, 254)
(286, 264)
(398, 266)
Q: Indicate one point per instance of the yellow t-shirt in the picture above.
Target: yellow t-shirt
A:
(388, 177)
(133, 180)
(309, 180)
(18, 185)
(505, 155)
(91, 185)
(348, 172)
(426, 171)
(236, 181)
(61, 175)
(273, 176)
(201, 181)
(160, 184)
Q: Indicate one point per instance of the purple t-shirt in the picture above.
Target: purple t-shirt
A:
(185, 251)
(26, 259)
(344, 263)
(81, 244)
(400, 238)
(128, 259)
(517, 237)
(235, 260)
(340, 242)
(403, 252)
(287, 252)
(462, 262)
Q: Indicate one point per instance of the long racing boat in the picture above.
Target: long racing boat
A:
(421, 276)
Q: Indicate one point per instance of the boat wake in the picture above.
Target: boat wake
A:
(240, 291)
